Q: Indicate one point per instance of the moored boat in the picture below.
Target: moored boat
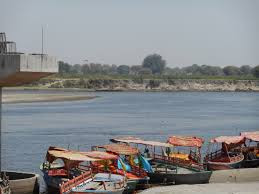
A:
(62, 165)
(109, 164)
(126, 164)
(169, 174)
(189, 150)
(101, 183)
(226, 157)
(170, 170)
(173, 152)
(250, 149)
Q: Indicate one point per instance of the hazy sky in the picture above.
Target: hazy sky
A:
(184, 32)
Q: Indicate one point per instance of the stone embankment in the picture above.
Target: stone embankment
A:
(153, 85)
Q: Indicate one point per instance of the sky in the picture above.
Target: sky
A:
(183, 32)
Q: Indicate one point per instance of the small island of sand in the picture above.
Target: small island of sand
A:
(17, 97)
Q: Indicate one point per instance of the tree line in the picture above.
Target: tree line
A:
(155, 65)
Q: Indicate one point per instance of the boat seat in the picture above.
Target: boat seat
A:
(57, 172)
(92, 186)
(181, 156)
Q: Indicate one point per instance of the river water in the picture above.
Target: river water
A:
(29, 129)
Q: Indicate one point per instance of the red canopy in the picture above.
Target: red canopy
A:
(254, 135)
(136, 140)
(120, 149)
(100, 155)
(186, 141)
(228, 139)
(67, 155)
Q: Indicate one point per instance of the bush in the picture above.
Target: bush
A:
(154, 83)
(256, 71)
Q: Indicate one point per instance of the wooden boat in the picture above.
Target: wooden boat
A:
(169, 174)
(133, 172)
(171, 170)
(250, 149)
(110, 165)
(101, 183)
(55, 173)
(168, 152)
(189, 151)
(225, 158)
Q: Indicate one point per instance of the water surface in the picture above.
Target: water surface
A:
(29, 129)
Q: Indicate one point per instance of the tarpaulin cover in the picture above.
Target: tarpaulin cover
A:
(122, 165)
(228, 139)
(120, 149)
(100, 155)
(254, 135)
(60, 153)
(145, 164)
(186, 141)
(140, 141)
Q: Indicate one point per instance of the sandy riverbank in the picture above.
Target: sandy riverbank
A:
(213, 188)
(152, 84)
(31, 97)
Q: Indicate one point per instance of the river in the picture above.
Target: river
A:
(29, 129)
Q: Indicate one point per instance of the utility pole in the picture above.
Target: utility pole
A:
(1, 91)
(42, 47)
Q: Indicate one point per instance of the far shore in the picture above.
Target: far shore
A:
(145, 85)
(12, 98)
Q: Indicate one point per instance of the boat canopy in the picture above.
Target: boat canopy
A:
(140, 141)
(228, 139)
(120, 149)
(254, 136)
(186, 141)
(100, 155)
(68, 155)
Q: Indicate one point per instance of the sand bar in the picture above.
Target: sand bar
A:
(29, 98)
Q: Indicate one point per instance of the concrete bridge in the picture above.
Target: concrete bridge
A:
(18, 69)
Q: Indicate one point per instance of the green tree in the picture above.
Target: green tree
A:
(75, 69)
(64, 67)
(145, 71)
(256, 71)
(211, 70)
(192, 70)
(154, 62)
(245, 69)
(85, 69)
(134, 70)
(231, 70)
(123, 69)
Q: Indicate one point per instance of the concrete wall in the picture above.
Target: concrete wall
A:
(9, 64)
(18, 69)
(38, 63)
